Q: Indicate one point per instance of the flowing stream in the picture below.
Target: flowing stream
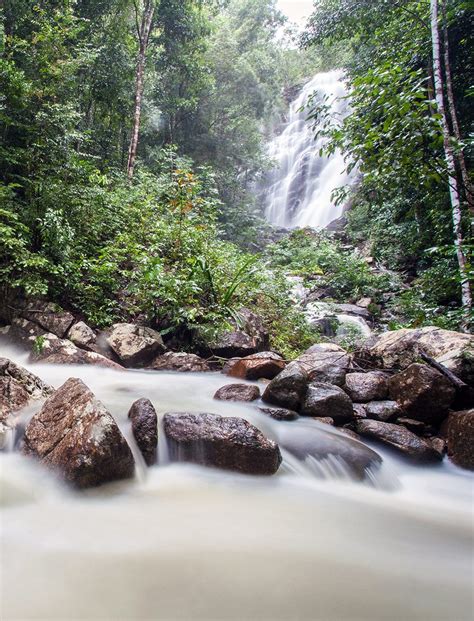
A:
(186, 542)
(298, 192)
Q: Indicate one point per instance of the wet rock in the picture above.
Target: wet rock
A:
(400, 348)
(19, 387)
(238, 392)
(180, 361)
(439, 445)
(264, 365)
(251, 337)
(288, 388)
(82, 336)
(234, 344)
(51, 317)
(75, 435)
(325, 420)
(460, 432)
(53, 350)
(354, 310)
(422, 392)
(279, 413)
(399, 438)
(359, 410)
(325, 362)
(413, 425)
(314, 442)
(350, 432)
(364, 387)
(26, 332)
(382, 410)
(135, 345)
(145, 429)
(228, 443)
(323, 399)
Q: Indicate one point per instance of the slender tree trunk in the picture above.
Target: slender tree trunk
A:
(466, 293)
(143, 36)
(468, 187)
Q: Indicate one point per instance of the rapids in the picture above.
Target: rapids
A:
(185, 542)
(298, 191)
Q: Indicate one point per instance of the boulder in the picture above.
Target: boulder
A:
(238, 392)
(264, 365)
(234, 344)
(288, 388)
(53, 350)
(19, 387)
(26, 332)
(423, 393)
(326, 400)
(460, 432)
(325, 362)
(145, 429)
(82, 336)
(51, 317)
(74, 434)
(179, 361)
(399, 438)
(400, 348)
(356, 310)
(382, 410)
(364, 387)
(439, 445)
(249, 338)
(313, 442)
(279, 413)
(228, 443)
(135, 345)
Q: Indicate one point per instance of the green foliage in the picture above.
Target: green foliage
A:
(324, 261)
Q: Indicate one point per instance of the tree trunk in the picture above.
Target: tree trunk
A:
(466, 294)
(143, 36)
(468, 187)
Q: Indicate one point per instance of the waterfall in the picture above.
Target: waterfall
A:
(298, 191)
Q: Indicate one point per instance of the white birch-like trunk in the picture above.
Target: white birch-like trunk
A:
(466, 294)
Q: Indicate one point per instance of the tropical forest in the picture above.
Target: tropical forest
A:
(236, 310)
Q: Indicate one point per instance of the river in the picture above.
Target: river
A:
(186, 542)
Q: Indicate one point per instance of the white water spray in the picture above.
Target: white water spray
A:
(298, 192)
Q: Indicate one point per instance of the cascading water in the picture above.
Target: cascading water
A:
(298, 192)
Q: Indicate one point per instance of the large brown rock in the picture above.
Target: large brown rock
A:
(460, 431)
(288, 388)
(53, 350)
(179, 361)
(145, 429)
(238, 392)
(400, 348)
(51, 317)
(19, 387)
(227, 443)
(83, 336)
(364, 387)
(264, 365)
(313, 442)
(325, 362)
(399, 438)
(422, 392)
(135, 345)
(327, 400)
(74, 434)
